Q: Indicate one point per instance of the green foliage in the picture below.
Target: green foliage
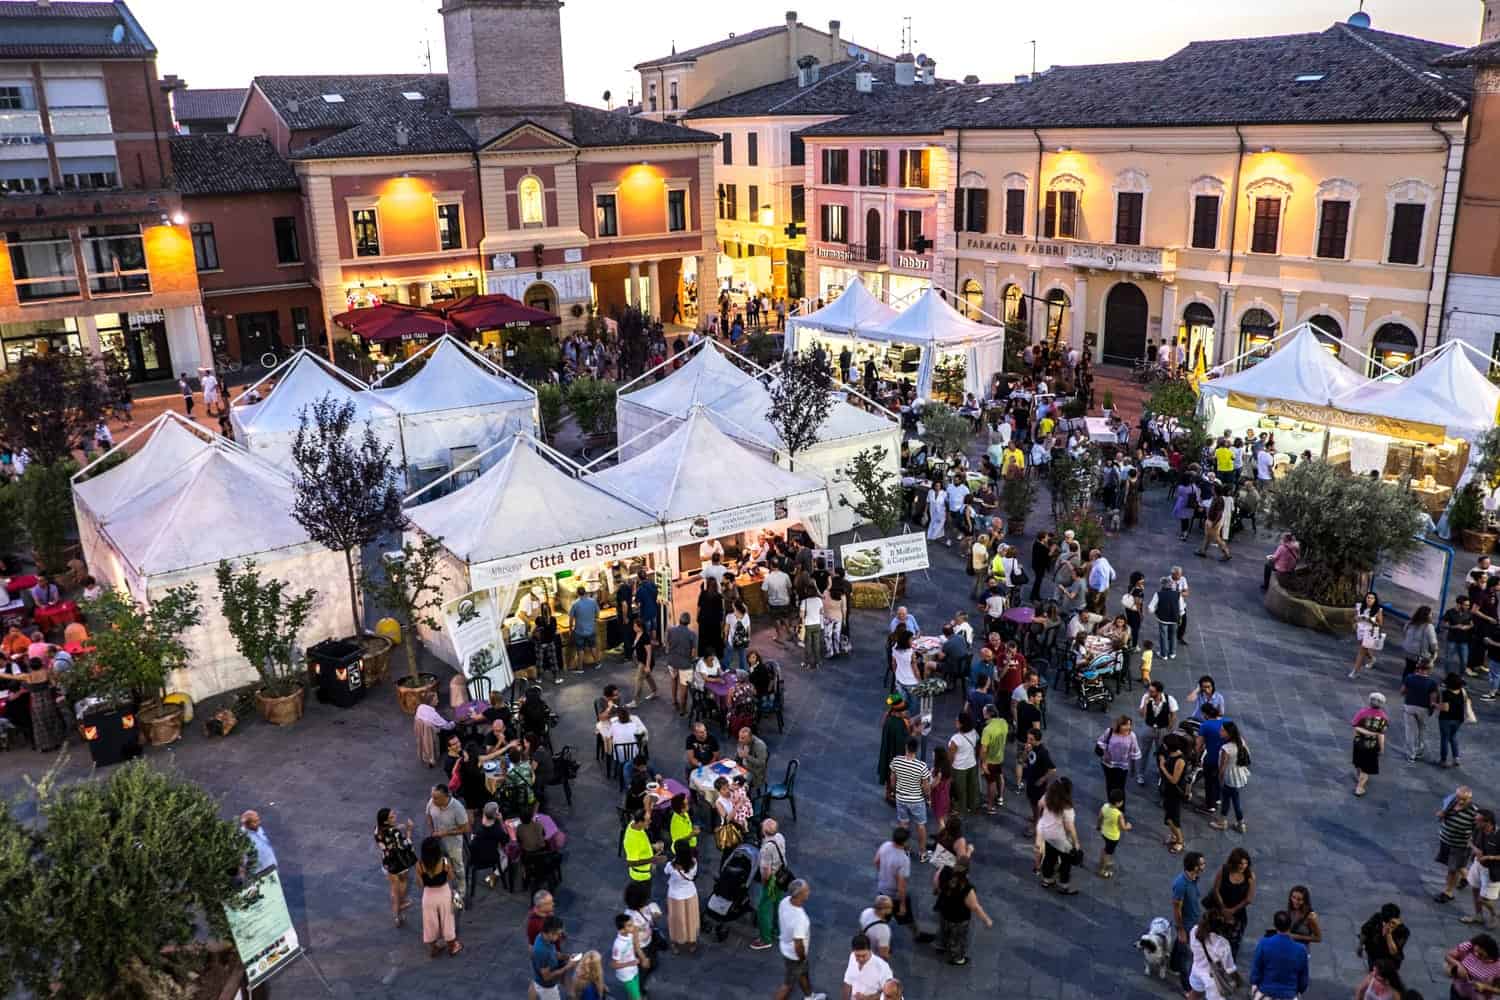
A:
(10, 517)
(264, 617)
(1075, 408)
(1017, 496)
(106, 876)
(1173, 399)
(1108, 402)
(948, 377)
(110, 460)
(592, 401)
(1087, 528)
(549, 399)
(1466, 514)
(801, 396)
(1074, 480)
(46, 508)
(1486, 455)
(51, 403)
(1345, 523)
(761, 348)
(532, 352)
(410, 588)
(880, 500)
(135, 649)
(945, 429)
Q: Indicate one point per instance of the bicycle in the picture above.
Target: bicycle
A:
(269, 360)
(224, 363)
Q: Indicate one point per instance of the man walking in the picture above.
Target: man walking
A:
(1187, 908)
(1279, 970)
(866, 973)
(1456, 820)
(682, 648)
(1101, 575)
(893, 879)
(186, 388)
(448, 820)
(584, 616)
(796, 938)
(1166, 605)
(1420, 692)
(1180, 584)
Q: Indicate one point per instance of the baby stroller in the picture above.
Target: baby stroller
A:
(1187, 738)
(1092, 683)
(730, 899)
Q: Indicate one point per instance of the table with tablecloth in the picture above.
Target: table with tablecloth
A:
(1100, 432)
(669, 789)
(1020, 614)
(556, 838)
(50, 616)
(722, 687)
(18, 585)
(703, 778)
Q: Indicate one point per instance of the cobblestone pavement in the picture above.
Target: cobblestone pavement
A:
(319, 783)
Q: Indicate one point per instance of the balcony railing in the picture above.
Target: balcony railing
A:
(80, 121)
(21, 127)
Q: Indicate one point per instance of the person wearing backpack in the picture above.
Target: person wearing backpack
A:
(737, 638)
(1234, 774)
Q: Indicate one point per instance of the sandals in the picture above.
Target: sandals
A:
(455, 949)
(1176, 848)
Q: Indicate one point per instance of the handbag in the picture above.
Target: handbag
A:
(942, 857)
(1469, 709)
(1374, 640)
(1227, 982)
(458, 901)
(727, 836)
(783, 877)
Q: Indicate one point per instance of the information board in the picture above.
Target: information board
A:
(884, 556)
(261, 926)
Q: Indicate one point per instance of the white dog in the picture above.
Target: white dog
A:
(1156, 947)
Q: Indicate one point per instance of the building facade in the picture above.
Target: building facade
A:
(1215, 198)
(98, 254)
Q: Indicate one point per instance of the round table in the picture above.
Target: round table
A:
(1021, 615)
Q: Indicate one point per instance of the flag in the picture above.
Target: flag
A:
(1199, 371)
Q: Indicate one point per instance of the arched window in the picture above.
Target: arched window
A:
(1257, 327)
(1057, 305)
(1196, 334)
(529, 194)
(1394, 345)
(1015, 308)
(973, 295)
(1328, 331)
(872, 235)
(540, 296)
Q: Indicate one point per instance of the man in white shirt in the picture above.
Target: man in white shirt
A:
(866, 973)
(1164, 354)
(778, 588)
(875, 924)
(1180, 584)
(715, 570)
(796, 940)
(1265, 461)
(709, 548)
(905, 619)
(954, 494)
(1101, 575)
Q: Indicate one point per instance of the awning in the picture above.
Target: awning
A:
(392, 321)
(493, 312)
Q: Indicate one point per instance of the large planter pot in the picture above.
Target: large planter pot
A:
(112, 735)
(377, 657)
(161, 724)
(1477, 541)
(1304, 613)
(282, 711)
(409, 696)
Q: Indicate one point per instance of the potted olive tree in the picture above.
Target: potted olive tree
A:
(1466, 520)
(880, 501)
(265, 619)
(1017, 497)
(410, 587)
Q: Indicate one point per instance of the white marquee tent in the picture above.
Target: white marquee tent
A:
(738, 402)
(1300, 370)
(852, 312)
(939, 329)
(1448, 391)
(180, 503)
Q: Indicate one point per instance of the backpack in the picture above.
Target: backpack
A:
(740, 637)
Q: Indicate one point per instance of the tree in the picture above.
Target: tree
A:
(1074, 479)
(549, 399)
(346, 495)
(265, 618)
(1486, 451)
(801, 396)
(880, 500)
(411, 589)
(1173, 399)
(107, 877)
(1346, 524)
(45, 495)
(592, 401)
(945, 428)
(135, 648)
(948, 377)
(51, 403)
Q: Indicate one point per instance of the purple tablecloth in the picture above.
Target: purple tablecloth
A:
(1021, 615)
(673, 788)
(556, 839)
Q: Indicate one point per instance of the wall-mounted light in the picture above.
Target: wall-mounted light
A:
(180, 218)
(1268, 149)
(1065, 149)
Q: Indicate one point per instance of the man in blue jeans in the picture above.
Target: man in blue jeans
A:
(1187, 908)
(1166, 605)
(1279, 970)
(1458, 629)
(1211, 741)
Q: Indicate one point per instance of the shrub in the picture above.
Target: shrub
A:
(948, 378)
(592, 401)
(761, 348)
(1087, 528)
(880, 500)
(1466, 514)
(46, 503)
(135, 649)
(549, 400)
(265, 617)
(945, 429)
(1017, 496)
(1173, 399)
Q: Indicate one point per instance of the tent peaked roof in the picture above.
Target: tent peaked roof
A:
(305, 380)
(854, 309)
(708, 377)
(684, 474)
(521, 504)
(930, 319)
(170, 446)
(1448, 390)
(450, 378)
(1301, 370)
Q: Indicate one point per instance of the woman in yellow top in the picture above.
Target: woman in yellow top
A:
(681, 826)
(1013, 463)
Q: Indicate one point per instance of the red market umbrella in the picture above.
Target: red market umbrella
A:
(493, 312)
(392, 320)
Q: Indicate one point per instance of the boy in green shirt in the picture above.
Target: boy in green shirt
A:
(1112, 823)
(992, 748)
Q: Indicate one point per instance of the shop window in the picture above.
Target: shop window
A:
(676, 210)
(835, 223)
(287, 249)
(1057, 307)
(1015, 308)
(752, 149)
(1197, 332)
(1206, 222)
(116, 259)
(1333, 229)
(1129, 206)
(726, 144)
(973, 210)
(908, 229)
(914, 168)
(1265, 235)
(835, 166)
(872, 167)
(42, 265)
(1257, 327)
(799, 204)
(973, 303)
(1394, 346)
(1015, 211)
(1328, 331)
(450, 226)
(1406, 233)
(606, 221)
(205, 247)
(529, 199)
(366, 232)
(1060, 215)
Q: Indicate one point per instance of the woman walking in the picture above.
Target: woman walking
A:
(1453, 709)
(1369, 617)
(682, 898)
(1118, 752)
(1234, 891)
(1184, 505)
(645, 655)
(1134, 603)
(1305, 927)
(1370, 724)
(941, 793)
(1383, 982)
(439, 925)
(1234, 774)
(907, 667)
(1172, 765)
(588, 980)
(1419, 641)
(937, 512)
(964, 748)
(544, 635)
(397, 858)
(737, 638)
(1213, 975)
(1056, 846)
(957, 903)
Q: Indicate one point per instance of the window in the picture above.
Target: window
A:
(1333, 229)
(1206, 222)
(1061, 215)
(287, 250)
(1394, 345)
(973, 210)
(17, 97)
(301, 327)
(88, 173)
(116, 259)
(1015, 211)
(835, 166)
(835, 220)
(366, 233)
(672, 95)
(873, 234)
(1128, 209)
(25, 175)
(908, 229)
(1266, 229)
(651, 95)
(606, 221)
(799, 151)
(752, 149)
(722, 197)
(676, 210)
(799, 204)
(42, 265)
(529, 198)
(914, 168)
(872, 167)
(1406, 233)
(753, 208)
(205, 247)
(727, 144)
(731, 201)
(450, 226)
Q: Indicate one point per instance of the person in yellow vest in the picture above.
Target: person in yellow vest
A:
(682, 826)
(641, 855)
(1013, 463)
(1224, 461)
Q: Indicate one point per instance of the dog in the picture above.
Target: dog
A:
(1156, 947)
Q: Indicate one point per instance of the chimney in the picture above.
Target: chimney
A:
(807, 71)
(864, 81)
(836, 51)
(793, 50)
(906, 69)
(971, 79)
(1489, 27)
(929, 72)
(1022, 78)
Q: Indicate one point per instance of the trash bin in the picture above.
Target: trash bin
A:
(339, 668)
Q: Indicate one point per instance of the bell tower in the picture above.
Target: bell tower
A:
(505, 64)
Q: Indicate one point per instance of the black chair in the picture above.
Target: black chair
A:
(541, 870)
(620, 755)
(773, 704)
(479, 688)
(784, 789)
(705, 708)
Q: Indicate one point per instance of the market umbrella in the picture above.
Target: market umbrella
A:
(392, 320)
(493, 312)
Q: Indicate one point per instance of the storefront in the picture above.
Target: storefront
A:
(37, 336)
(139, 339)
(833, 279)
(1196, 333)
(1257, 329)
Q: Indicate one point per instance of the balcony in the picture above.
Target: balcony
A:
(80, 121)
(21, 128)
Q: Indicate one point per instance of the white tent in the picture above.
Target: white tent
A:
(456, 401)
(853, 311)
(1301, 370)
(179, 504)
(269, 427)
(739, 401)
(701, 484)
(939, 329)
(1448, 391)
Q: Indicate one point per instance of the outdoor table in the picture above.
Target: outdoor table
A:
(721, 686)
(48, 616)
(703, 778)
(1021, 615)
(556, 839)
(1100, 431)
(670, 789)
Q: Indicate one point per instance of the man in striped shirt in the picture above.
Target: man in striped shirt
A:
(911, 781)
(1457, 819)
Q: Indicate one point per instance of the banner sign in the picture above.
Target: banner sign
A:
(1368, 423)
(884, 556)
(261, 926)
(473, 624)
(574, 555)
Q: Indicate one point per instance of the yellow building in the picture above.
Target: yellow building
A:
(1215, 197)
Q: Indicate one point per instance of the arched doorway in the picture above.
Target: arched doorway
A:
(1125, 317)
(872, 235)
(1394, 345)
(1328, 331)
(1257, 327)
(541, 296)
(1015, 308)
(1057, 306)
(1196, 334)
(973, 300)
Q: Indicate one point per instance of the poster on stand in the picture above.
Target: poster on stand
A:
(261, 926)
(473, 625)
(884, 556)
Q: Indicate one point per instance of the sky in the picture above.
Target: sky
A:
(602, 39)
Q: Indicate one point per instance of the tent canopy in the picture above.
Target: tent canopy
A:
(1448, 391)
(453, 377)
(931, 320)
(305, 380)
(171, 446)
(393, 320)
(493, 311)
(1301, 371)
(852, 312)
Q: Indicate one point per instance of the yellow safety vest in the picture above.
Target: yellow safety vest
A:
(638, 848)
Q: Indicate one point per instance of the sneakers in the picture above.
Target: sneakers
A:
(1489, 696)
(926, 857)
(649, 696)
(557, 680)
(631, 704)
(1240, 826)
(758, 945)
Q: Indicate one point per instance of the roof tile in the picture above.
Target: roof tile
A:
(222, 163)
(207, 105)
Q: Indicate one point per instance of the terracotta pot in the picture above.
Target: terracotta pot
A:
(281, 711)
(409, 697)
(161, 724)
(377, 658)
(1477, 541)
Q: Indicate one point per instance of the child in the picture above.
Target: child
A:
(1112, 823)
(1146, 657)
(625, 957)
